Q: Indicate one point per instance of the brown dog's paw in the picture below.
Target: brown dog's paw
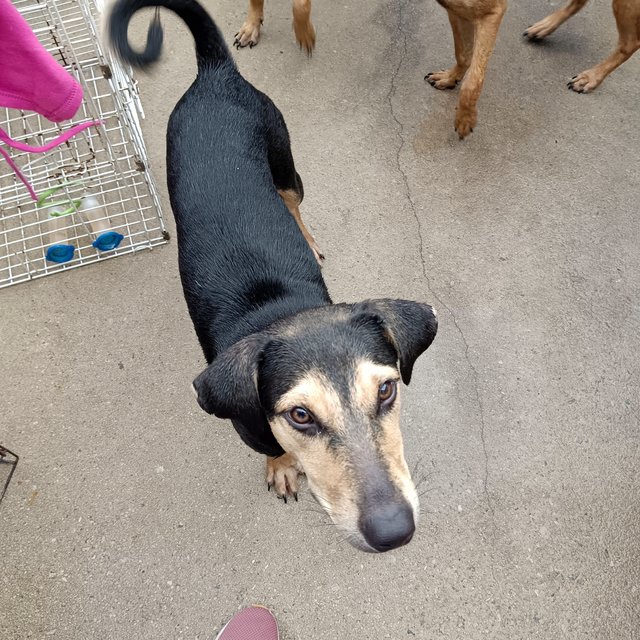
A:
(305, 35)
(282, 474)
(584, 82)
(542, 29)
(249, 34)
(442, 79)
(466, 120)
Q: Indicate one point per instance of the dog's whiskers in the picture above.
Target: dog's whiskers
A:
(318, 511)
(322, 524)
(416, 466)
(423, 477)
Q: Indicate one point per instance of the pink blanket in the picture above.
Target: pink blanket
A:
(32, 80)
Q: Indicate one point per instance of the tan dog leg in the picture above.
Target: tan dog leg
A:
(485, 32)
(292, 200)
(305, 33)
(463, 43)
(249, 33)
(548, 25)
(282, 474)
(627, 13)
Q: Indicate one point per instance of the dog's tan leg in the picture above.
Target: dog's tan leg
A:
(282, 474)
(249, 33)
(305, 33)
(485, 33)
(548, 25)
(627, 13)
(463, 44)
(292, 200)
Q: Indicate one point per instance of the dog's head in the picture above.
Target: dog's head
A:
(328, 381)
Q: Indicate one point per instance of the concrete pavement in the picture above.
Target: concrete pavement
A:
(133, 514)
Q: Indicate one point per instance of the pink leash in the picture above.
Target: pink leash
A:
(56, 142)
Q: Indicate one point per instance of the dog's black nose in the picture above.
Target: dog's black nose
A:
(388, 526)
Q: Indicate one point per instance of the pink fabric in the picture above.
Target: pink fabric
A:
(254, 623)
(30, 78)
(16, 170)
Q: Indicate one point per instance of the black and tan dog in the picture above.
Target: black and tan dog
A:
(249, 33)
(311, 384)
(627, 15)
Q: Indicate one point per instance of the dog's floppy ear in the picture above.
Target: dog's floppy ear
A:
(227, 388)
(410, 326)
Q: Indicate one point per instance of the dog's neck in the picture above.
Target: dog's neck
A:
(273, 311)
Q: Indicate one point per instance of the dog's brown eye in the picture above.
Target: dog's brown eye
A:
(300, 416)
(387, 392)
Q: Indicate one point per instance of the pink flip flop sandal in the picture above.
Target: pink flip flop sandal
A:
(252, 623)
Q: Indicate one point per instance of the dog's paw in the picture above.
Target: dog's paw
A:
(584, 82)
(466, 120)
(542, 29)
(305, 36)
(442, 79)
(249, 34)
(282, 475)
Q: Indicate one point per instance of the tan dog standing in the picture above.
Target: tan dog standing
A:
(627, 14)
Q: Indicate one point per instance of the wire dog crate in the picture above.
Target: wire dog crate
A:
(96, 196)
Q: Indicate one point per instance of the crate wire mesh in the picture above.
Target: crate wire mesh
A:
(96, 181)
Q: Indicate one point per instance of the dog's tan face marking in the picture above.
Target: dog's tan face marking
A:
(325, 468)
(369, 377)
(356, 445)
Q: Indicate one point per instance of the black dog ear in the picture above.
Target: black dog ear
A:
(410, 326)
(227, 388)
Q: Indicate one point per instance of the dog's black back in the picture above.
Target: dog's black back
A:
(243, 261)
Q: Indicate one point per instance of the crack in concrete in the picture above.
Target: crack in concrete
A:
(400, 127)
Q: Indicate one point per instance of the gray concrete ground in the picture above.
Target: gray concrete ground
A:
(133, 514)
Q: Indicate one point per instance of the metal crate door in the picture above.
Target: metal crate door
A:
(98, 180)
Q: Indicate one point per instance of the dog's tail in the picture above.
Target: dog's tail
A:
(210, 47)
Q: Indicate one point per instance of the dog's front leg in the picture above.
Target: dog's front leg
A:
(282, 475)
(462, 30)
(305, 33)
(249, 33)
(627, 13)
(548, 25)
(485, 32)
(292, 200)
